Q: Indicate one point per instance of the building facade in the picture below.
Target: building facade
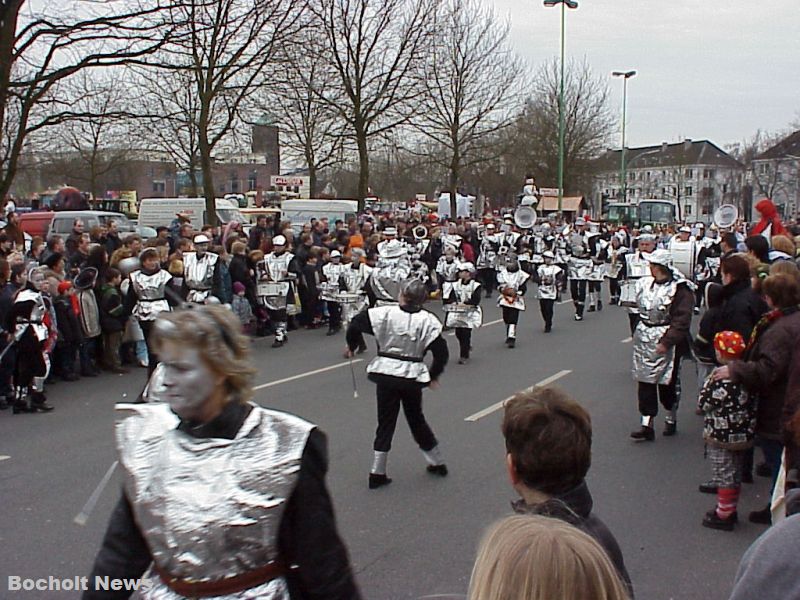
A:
(697, 176)
(775, 174)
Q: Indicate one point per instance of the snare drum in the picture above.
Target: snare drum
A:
(272, 289)
(347, 297)
(628, 293)
(328, 291)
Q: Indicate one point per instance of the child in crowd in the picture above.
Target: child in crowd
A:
(728, 430)
(112, 321)
(242, 309)
(70, 334)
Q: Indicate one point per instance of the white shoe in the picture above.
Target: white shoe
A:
(578, 317)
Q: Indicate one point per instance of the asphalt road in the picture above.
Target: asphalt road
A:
(417, 537)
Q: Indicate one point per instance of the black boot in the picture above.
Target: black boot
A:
(644, 434)
(332, 331)
(670, 429)
(713, 521)
(599, 305)
(762, 517)
(376, 480)
(440, 470)
(39, 402)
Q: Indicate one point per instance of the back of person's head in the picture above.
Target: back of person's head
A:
(781, 243)
(730, 240)
(758, 245)
(783, 290)
(736, 266)
(786, 267)
(549, 439)
(530, 557)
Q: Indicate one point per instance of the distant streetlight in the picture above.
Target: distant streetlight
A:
(564, 5)
(623, 178)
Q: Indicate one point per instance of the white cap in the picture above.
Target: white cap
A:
(700, 225)
(580, 221)
(659, 257)
(201, 238)
(336, 254)
(466, 266)
(490, 226)
(392, 249)
(548, 254)
(279, 240)
(685, 229)
(390, 231)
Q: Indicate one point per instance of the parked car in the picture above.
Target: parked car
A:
(36, 223)
(62, 221)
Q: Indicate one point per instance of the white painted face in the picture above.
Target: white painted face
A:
(38, 281)
(188, 380)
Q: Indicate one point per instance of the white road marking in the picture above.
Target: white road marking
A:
(566, 302)
(309, 374)
(497, 406)
(4, 457)
(452, 333)
(627, 340)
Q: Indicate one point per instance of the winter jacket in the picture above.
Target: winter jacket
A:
(741, 309)
(730, 414)
(765, 371)
(69, 326)
(575, 507)
(112, 311)
(240, 271)
(703, 343)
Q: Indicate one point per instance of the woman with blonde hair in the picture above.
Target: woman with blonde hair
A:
(221, 497)
(538, 558)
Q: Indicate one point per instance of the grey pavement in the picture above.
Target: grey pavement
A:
(417, 537)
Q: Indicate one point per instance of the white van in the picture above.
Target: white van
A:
(157, 212)
(300, 212)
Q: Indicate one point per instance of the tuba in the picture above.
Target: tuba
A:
(726, 216)
(420, 232)
(525, 217)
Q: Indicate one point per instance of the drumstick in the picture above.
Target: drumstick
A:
(83, 516)
(353, 375)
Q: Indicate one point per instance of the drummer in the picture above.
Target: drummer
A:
(462, 308)
(333, 272)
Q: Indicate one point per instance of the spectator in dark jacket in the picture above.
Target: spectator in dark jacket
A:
(765, 369)
(242, 271)
(70, 334)
(742, 307)
(112, 320)
(548, 452)
(309, 288)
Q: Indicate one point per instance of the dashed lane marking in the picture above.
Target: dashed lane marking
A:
(452, 333)
(308, 374)
(4, 457)
(497, 406)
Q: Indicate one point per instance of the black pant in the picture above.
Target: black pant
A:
(152, 359)
(334, 315)
(464, 337)
(390, 397)
(613, 288)
(577, 288)
(510, 315)
(633, 321)
(488, 279)
(595, 286)
(650, 394)
(546, 306)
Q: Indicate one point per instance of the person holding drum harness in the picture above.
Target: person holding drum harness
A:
(512, 283)
(277, 274)
(462, 308)
(634, 268)
(333, 272)
(549, 277)
(685, 252)
(665, 300)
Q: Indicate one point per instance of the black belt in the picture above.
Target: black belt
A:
(646, 324)
(400, 357)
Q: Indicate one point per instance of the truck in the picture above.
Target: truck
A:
(157, 212)
(299, 212)
(649, 211)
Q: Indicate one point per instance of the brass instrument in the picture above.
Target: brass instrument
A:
(420, 232)
(525, 217)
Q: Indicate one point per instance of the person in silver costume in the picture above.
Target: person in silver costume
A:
(664, 300)
(221, 498)
(201, 272)
(404, 333)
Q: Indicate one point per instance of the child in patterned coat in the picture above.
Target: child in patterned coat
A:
(728, 430)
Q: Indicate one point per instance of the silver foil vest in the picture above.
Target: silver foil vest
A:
(580, 268)
(356, 279)
(210, 508)
(548, 281)
(487, 256)
(276, 267)
(198, 273)
(471, 317)
(507, 279)
(150, 294)
(402, 339)
(36, 318)
(333, 272)
(386, 278)
(448, 271)
(654, 301)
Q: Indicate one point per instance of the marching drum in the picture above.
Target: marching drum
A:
(462, 315)
(628, 293)
(271, 289)
(328, 291)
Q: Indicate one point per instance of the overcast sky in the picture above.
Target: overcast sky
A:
(707, 69)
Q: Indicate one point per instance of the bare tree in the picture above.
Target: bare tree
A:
(44, 44)
(225, 48)
(377, 49)
(589, 124)
(474, 85)
(315, 131)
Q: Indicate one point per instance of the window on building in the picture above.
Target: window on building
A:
(779, 176)
(159, 187)
(724, 188)
(708, 173)
(688, 173)
(234, 186)
(687, 191)
(687, 209)
(663, 192)
(252, 182)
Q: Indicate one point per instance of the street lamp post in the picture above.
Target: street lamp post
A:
(564, 5)
(623, 176)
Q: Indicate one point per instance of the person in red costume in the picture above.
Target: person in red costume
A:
(769, 216)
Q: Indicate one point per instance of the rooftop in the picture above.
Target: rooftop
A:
(682, 154)
(788, 146)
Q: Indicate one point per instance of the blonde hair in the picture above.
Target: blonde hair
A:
(216, 333)
(530, 557)
(784, 244)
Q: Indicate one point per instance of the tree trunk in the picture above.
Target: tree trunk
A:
(455, 164)
(312, 181)
(193, 190)
(206, 165)
(363, 167)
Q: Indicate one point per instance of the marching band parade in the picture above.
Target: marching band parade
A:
(405, 281)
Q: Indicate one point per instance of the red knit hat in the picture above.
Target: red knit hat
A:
(64, 286)
(730, 343)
